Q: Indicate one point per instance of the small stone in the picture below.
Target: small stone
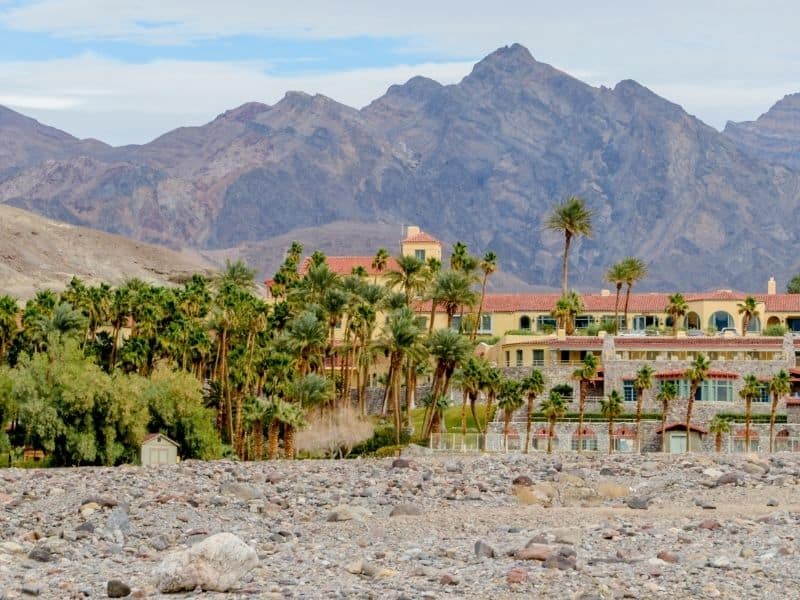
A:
(343, 512)
(117, 589)
(667, 557)
(709, 524)
(29, 589)
(609, 489)
(772, 502)
(567, 535)
(523, 480)
(118, 520)
(406, 510)
(484, 550)
(708, 506)
(517, 575)
(242, 491)
(85, 527)
(727, 479)
(354, 567)
(534, 552)
(448, 579)
(638, 503)
(40, 554)
(720, 562)
(401, 463)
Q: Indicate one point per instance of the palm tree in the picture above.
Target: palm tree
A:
(411, 277)
(750, 390)
(256, 412)
(470, 378)
(749, 311)
(778, 386)
(611, 408)
(307, 337)
(509, 399)
(616, 276)
(400, 340)
(9, 312)
(718, 426)
(643, 381)
(459, 256)
(309, 391)
(450, 349)
(379, 262)
(573, 219)
(488, 266)
(532, 386)
(493, 378)
(635, 270)
(667, 393)
(696, 374)
(453, 290)
(566, 309)
(676, 308)
(237, 274)
(553, 408)
(584, 374)
(293, 418)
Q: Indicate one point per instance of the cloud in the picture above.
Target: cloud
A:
(93, 96)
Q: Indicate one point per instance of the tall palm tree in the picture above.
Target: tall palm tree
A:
(493, 378)
(293, 418)
(667, 393)
(635, 270)
(453, 290)
(310, 391)
(696, 374)
(750, 390)
(611, 408)
(400, 340)
(749, 311)
(532, 386)
(718, 426)
(676, 308)
(449, 349)
(643, 381)
(379, 262)
(9, 312)
(584, 375)
(411, 277)
(553, 408)
(256, 411)
(509, 400)
(470, 379)
(237, 274)
(307, 336)
(573, 219)
(778, 386)
(616, 276)
(488, 266)
(459, 256)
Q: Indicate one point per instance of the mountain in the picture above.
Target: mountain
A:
(37, 253)
(774, 136)
(480, 161)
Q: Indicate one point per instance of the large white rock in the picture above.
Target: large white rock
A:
(216, 564)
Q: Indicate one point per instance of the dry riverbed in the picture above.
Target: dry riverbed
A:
(456, 526)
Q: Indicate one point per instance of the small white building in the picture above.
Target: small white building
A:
(158, 449)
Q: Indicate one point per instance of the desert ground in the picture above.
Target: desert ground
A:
(422, 526)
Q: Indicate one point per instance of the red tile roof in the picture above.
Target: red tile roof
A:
(344, 265)
(421, 238)
(593, 302)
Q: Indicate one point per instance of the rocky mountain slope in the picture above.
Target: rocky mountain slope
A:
(37, 253)
(774, 136)
(481, 161)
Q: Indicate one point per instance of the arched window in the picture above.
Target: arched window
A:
(691, 320)
(720, 320)
(584, 439)
(525, 323)
(754, 326)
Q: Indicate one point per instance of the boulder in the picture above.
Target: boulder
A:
(215, 564)
(406, 510)
(344, 512)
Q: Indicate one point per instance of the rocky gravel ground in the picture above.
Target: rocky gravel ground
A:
(443, 526)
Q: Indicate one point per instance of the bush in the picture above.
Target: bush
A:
(775, 330)
(382, 438)
(599, 418)
(754, 418)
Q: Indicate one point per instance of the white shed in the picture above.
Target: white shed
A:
(158, 449)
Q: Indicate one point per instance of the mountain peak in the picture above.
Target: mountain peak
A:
(246, 112)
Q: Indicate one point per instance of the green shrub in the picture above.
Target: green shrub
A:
(599, 418)
(775, 330)
(754, 418)
(383, 437)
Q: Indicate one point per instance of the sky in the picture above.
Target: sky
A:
(126, 71)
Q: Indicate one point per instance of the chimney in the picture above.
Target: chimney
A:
(771, 287)
(605, 293)
(412, 230)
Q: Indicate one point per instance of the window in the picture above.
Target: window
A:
(628, 391)
(545, 324)
(419, 255)
(508, 358)
(793, 324)
(720, 320)
(519, 358)
(609, 319)
(486, 324)
(763, 393)
(711, 390)
(525, 323)
(586, 443)
(583, 321)
(754, 326)
(456, 323)
(538, 358)
(738, 445)
(564, 356)
(644, 321)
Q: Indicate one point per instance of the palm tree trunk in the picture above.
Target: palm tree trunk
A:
(272, 439)
(432, 317)
(550, 431)
(387, 391)
(480, 309)
(581, 409)
(472, 400)
(663, 426)
(689, 406)
(487, 415)
(610, 435)
(409, 379)
(616, 309)
(627, 299)
(258, 439)
(718, 442)
(528, 422)
(639, 398)
(396, 403)
(464, 415)
(288, 442)
(506, 422)
(565, 265)
(772, 412)
(747, 404)
(674, 326)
